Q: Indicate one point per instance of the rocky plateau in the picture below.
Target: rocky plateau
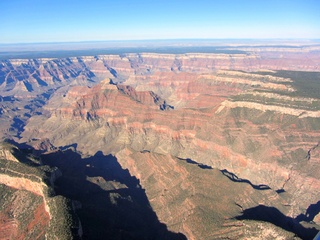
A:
(163, 146)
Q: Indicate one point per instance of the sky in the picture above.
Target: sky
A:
(28, 21)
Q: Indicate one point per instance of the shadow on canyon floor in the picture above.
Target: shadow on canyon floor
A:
(200, 165)
(274, 216)
(271, 214)
(312, 211)
(114, 206)
(235, 178)
(228, 174)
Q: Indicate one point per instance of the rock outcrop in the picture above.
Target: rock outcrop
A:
(29, 207)
(244, 139)
(192, 198)
(189, 127)
(24, 77)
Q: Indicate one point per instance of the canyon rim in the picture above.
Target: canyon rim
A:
(162, 144)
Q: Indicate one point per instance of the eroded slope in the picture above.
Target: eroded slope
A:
(29, 207)
(259, 130)
(268, 146)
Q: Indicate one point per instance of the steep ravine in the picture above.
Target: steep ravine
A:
(188, 127)
(233, 138)
(236, 143)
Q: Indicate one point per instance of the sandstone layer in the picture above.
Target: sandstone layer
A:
(29, 207)
(238, 138)
(24, 77)
(197, 130)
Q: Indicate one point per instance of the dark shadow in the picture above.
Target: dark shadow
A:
(200, 165)
(164, 106)
(274, 216)
(308, 157)
(81, 61)
(311, 212)
(10, 84)
(22, 146)
(114, 206)
(280, 191)
(113, 72)
(72, 147)
(19, 125)
(112, 82)
(56, 79)
(2, 77)
(235, 178)
(22, 152)
(145, 151)
(8, 99)
(28, 86)
(39, 80)
(46, 95)
(90, 74)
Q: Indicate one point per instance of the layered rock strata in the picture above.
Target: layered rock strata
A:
(29, 207)
(240, 139)
(24, 77)
(256, 129)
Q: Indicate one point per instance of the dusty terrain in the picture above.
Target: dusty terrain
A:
(217, 145)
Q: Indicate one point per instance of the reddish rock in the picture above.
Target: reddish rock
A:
(256, 130)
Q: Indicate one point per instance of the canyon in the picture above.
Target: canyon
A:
(164, 146)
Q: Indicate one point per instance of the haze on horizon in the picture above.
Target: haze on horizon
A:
(73, 21)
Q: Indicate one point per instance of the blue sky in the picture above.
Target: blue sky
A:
(25, 21)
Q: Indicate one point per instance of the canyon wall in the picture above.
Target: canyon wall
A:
(267, 143)
(29, 207)
(23, 76)
(185, 125)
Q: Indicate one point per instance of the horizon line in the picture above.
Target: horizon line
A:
(163, 39)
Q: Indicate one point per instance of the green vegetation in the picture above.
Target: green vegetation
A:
(6, 196)
(64, 223)
(313, 105)
(307, 84)
(23, 212)
(114, 51)
(306, 96)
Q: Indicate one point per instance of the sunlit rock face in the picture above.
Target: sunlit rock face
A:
(23, 76)
(29, 207)
(209, 136)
